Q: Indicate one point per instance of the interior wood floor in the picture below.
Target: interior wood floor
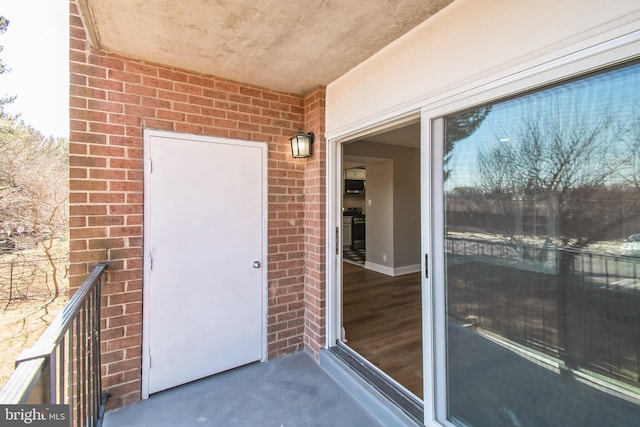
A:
(382, 318)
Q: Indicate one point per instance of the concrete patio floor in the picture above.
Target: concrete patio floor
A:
(293, 391)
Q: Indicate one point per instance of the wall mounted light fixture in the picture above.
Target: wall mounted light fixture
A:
(301, 144)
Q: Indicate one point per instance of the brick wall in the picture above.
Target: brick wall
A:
(315, 223)
(112, 99)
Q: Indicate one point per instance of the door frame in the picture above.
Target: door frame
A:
(146, 300)
(335, 178)
(334, 231)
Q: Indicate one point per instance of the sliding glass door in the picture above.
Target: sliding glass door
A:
(536, 257)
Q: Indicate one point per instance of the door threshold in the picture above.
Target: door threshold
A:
(390, 405)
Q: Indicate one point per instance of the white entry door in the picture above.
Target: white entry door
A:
(205, 234)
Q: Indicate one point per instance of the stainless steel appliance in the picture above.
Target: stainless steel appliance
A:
(353, 228)
(354, 186)
(358, 233)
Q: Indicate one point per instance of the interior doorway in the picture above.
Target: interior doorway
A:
(380, 281)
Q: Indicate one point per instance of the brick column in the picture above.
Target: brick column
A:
(315, 224)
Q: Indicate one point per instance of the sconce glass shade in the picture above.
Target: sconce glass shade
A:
(301, 144)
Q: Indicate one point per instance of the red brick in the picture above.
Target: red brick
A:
(84, 232)
(104, 220)
(87, 92)
(172, 96)
(127, 319)
(93, 104)
(106, 243)
(124, 298)
(126, 186)
(124, 76)
(87, 70)
(125, 164)
(123, 141)
(186, 108)
(155, 103)
(87, 138)
(123, 98)
(135, 89)
(106, 61)
(107, 174)
(87, 210)
(173, 75)
(110, 85)
(136, 110)
(135, 67)
(157, 83)
(170, 115)
(188, 128)
(199, 100)
(106, 151)
(201, 120)
(125, 231)
(84, 256)
(91, 116)
(106, 128)
(187, 88)
(158, 124)
(202, 81)
(87, 185)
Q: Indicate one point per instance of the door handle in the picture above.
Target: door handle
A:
(256, 264)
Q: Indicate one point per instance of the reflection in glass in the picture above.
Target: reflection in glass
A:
(542, 226)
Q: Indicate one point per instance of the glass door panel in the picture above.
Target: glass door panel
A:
(541, 248)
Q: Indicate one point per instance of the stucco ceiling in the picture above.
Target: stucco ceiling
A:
(285, 45)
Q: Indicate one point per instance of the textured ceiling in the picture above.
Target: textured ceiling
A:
(285, 45)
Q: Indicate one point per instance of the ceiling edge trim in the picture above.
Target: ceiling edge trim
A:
(86, 15)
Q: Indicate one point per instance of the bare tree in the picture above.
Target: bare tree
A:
(576, 171)
(4, 24)
(460, 126)
(569, 165)
(33, 190)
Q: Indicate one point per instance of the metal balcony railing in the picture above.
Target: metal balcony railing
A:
(63, 367)
(576, 306)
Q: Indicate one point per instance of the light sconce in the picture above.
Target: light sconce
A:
(301, 144)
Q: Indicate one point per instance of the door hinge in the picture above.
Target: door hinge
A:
(337, 240)
(426, 266)
(150, 166)
(150, 261)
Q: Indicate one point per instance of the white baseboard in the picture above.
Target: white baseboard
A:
(378, 268)
(407, 269)
(391, 271)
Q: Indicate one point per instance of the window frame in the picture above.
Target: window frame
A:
(581, 60)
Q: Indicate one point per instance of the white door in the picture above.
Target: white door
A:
(205, 205)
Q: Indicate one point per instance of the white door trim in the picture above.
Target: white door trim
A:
(148, 134)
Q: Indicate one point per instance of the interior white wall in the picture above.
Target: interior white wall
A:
(393, 218)
(406, 205)
(379, 225)
(467, 42)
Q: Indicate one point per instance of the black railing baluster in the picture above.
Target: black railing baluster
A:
(78, 373)
(71, 391)
(91, 395)
(61, 376)
(64, 365)
(608, 311)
